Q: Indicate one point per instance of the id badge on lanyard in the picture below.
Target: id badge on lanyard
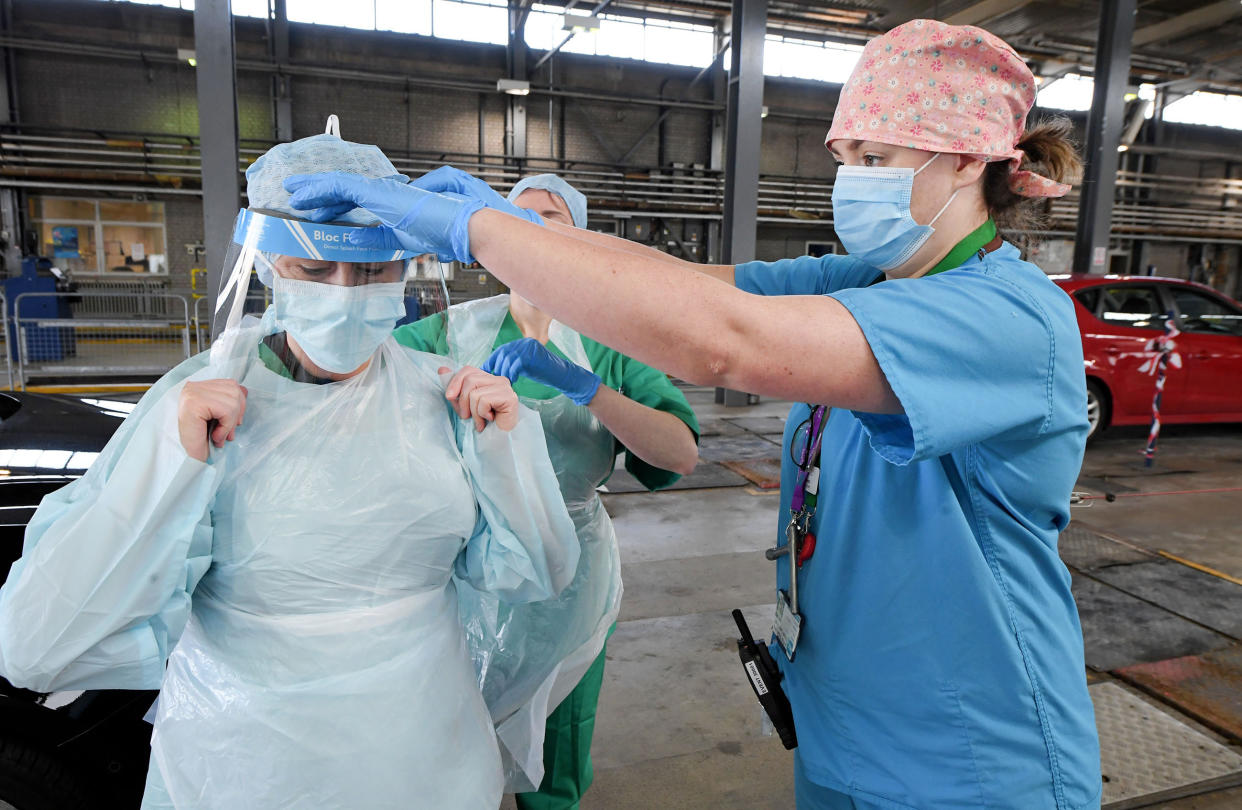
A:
(799, 539)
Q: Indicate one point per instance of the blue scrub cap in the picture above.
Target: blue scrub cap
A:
(265, 179)
(573, 198)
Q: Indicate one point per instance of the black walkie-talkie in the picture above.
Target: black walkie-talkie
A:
(765, 680)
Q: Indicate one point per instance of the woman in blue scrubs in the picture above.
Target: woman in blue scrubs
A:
(934, 657)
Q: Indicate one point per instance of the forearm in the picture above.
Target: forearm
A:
(658, 438)
(805, 348)
(720, 272)
(624, 300)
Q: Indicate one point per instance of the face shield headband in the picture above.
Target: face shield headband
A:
(258, 235)
(308, 240)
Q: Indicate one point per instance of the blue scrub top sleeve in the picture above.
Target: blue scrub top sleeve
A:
(806, 275)
(102, 591)
(969, 353)
(524, 547)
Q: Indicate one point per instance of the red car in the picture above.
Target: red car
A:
(1119, 316)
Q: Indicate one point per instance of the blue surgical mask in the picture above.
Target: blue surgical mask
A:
(338, 327)
(871, 214)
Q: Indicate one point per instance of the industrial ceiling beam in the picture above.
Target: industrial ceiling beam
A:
(743, 130)
(281, 97)
(217, 130)
(985, 10)
(1191, 22)
(743, 135)
(1174, 91)
(1104, 125)
(716, 62)
(346, 74)
(1051, 69)
(10, 205)
(515, 51)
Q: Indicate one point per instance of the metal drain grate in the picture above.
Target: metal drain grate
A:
(1147, 755)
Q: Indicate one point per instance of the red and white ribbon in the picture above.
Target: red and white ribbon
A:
(1164, 352)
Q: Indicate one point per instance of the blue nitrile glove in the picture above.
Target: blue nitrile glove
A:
(413, 219)
(455, 181)
(530, 359)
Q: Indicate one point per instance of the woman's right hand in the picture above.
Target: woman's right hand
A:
(483, 397)
(210, 410)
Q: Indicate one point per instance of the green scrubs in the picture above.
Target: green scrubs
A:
(641, 383)
(569, 728)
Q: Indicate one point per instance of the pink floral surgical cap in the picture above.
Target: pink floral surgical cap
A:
(943, 88)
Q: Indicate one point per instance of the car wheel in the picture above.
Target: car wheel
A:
(1097, 409)
(31, 779)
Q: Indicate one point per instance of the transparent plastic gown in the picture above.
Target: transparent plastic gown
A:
(300, 584)
(530, 656)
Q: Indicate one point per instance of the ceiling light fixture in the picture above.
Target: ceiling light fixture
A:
(514, 87)
(580, 23)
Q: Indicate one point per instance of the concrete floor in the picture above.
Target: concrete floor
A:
(679, 728)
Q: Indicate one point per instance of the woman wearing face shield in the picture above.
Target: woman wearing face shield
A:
(271, 538)
(546, 659)
(934, 657)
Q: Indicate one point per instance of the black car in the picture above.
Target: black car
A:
(67, 749)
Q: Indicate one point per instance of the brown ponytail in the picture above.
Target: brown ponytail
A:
(1049, 152)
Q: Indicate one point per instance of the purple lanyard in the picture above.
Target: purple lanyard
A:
(809, 459)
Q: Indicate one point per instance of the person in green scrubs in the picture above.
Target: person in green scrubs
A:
(594, 403)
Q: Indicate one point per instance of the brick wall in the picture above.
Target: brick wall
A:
(183, 225)
(113, 95)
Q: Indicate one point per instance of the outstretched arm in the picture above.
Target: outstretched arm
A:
(455, 181)
(720, 272)
(806, 348)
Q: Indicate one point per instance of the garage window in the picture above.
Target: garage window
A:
(101, 237)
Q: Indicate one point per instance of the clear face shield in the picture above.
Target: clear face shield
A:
(335, 301)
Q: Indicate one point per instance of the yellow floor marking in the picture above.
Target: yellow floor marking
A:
(1199, 567)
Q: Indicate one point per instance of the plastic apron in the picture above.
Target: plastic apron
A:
(293, 595)
(516, 648)
(364, 693)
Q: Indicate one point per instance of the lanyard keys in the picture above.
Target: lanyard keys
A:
(799, 546)
(799, 541)
(793, 536)
(792, 533)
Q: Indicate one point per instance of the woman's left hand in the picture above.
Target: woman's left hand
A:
(483, 397)
(531, 359)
